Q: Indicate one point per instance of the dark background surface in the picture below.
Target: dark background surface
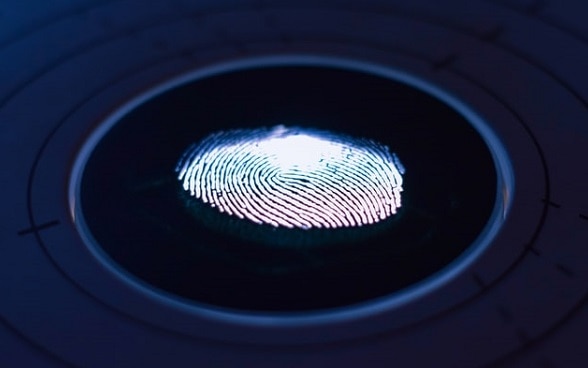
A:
(66, 65)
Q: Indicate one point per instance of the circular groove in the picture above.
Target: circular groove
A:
(299, 347)
(305, 347)
(547, 196)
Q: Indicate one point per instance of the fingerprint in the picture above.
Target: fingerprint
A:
(294, 177)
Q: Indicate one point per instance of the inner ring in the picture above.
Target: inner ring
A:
(408, 291)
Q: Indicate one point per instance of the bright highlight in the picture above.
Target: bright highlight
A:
(294, 177)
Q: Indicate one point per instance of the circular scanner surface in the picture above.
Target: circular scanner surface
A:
(68, 67)
(139, 215)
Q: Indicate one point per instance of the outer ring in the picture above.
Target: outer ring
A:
(381, 305)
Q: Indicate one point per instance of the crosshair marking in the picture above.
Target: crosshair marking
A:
(294, 177)
(445, 62)
(551, 203)
(37, 228)
(564, 270)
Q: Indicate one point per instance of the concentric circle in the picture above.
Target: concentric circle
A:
(66, 67)
(250, 255)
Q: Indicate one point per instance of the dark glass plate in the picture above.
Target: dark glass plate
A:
(134, 209)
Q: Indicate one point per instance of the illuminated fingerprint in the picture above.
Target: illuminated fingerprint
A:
(294, 177)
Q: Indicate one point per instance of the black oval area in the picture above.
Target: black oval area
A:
(131, 204)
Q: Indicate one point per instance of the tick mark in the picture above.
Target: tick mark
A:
(535, 7)
(492, 35)
(505, 314)
(535, 251)
(564, 270)
(38, 228)
(478, 280)
(445, 62)
(551, 203)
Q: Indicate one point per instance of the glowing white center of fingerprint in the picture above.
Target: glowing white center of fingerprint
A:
(294, 177)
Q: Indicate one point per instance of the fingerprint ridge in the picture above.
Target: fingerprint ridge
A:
(294, 177)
